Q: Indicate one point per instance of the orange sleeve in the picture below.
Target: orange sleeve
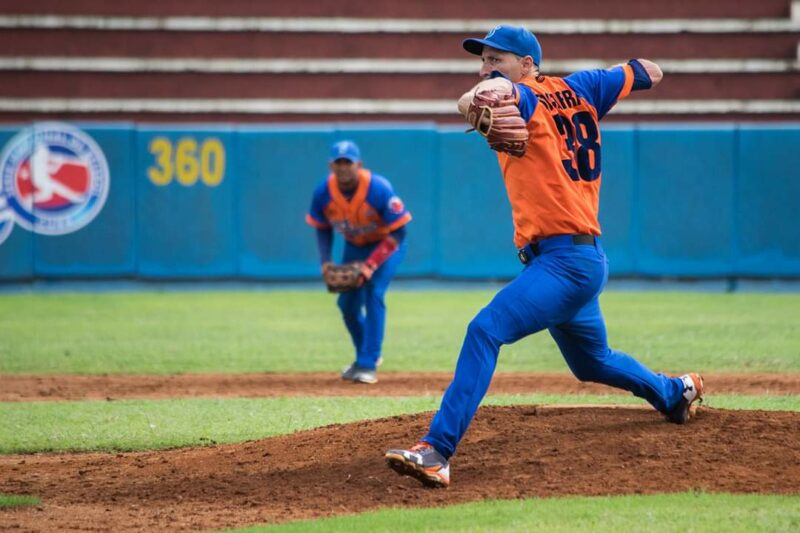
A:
(628, 85)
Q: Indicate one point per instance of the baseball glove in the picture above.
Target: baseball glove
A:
(343, 278)
(495, 115)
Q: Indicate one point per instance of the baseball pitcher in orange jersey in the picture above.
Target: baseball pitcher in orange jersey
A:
(552, 174)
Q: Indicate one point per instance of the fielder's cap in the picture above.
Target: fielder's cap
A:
(514, 39)
(345, 150)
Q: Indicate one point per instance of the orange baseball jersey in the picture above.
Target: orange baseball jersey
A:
(554, 187)
(372, 213)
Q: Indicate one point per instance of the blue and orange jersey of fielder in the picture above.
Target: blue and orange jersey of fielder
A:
(368, 216)
(554, 188)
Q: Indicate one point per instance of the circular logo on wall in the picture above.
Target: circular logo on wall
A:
(6, 220)
(54, 179)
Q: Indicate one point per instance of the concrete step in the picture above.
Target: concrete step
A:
(784, 85)
(415, 30)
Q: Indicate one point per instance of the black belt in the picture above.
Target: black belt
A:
(526, 253)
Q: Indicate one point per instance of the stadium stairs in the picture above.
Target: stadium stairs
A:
(360, 60)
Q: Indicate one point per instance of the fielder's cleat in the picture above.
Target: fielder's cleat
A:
(422, 462)
(347, 373)
(357, 374)
(692, 392)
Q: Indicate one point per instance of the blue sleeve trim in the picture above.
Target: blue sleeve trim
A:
(641, 79)
(527, 101)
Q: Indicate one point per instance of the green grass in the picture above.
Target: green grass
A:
(15, 500)
(685, 512)
(291, 331)
(157, 424)
(295, 331)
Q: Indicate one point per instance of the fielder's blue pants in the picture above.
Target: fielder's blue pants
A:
(363, 310)
(558, 290)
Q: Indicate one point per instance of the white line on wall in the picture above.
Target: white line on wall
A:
(383, 25)
(359, 106)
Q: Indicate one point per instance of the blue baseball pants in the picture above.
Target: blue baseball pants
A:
(558, 290)
(363, 309)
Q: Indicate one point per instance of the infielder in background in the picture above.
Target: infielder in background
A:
(546, 132)
(362, 207)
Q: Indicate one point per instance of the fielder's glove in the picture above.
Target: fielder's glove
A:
(492, 111)
(343, 278)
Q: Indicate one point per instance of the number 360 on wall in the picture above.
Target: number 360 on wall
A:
(187, 160)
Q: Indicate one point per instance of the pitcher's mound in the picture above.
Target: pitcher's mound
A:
(509, 452)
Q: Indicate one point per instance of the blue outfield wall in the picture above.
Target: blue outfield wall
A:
(228, 201)
(185, 220)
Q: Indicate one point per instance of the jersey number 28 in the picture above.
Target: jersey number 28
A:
(582, 139)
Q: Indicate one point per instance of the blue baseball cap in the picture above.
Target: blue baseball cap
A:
(514, 39)
(345, 150)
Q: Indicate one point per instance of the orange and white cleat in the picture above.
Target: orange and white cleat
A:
(422, 462)
(692, 392)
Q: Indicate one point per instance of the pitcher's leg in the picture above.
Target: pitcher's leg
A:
(521, 308)
(474, 371)
(584, 345)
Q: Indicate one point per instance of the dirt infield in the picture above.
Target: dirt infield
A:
(509, 452)
(118, 387)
